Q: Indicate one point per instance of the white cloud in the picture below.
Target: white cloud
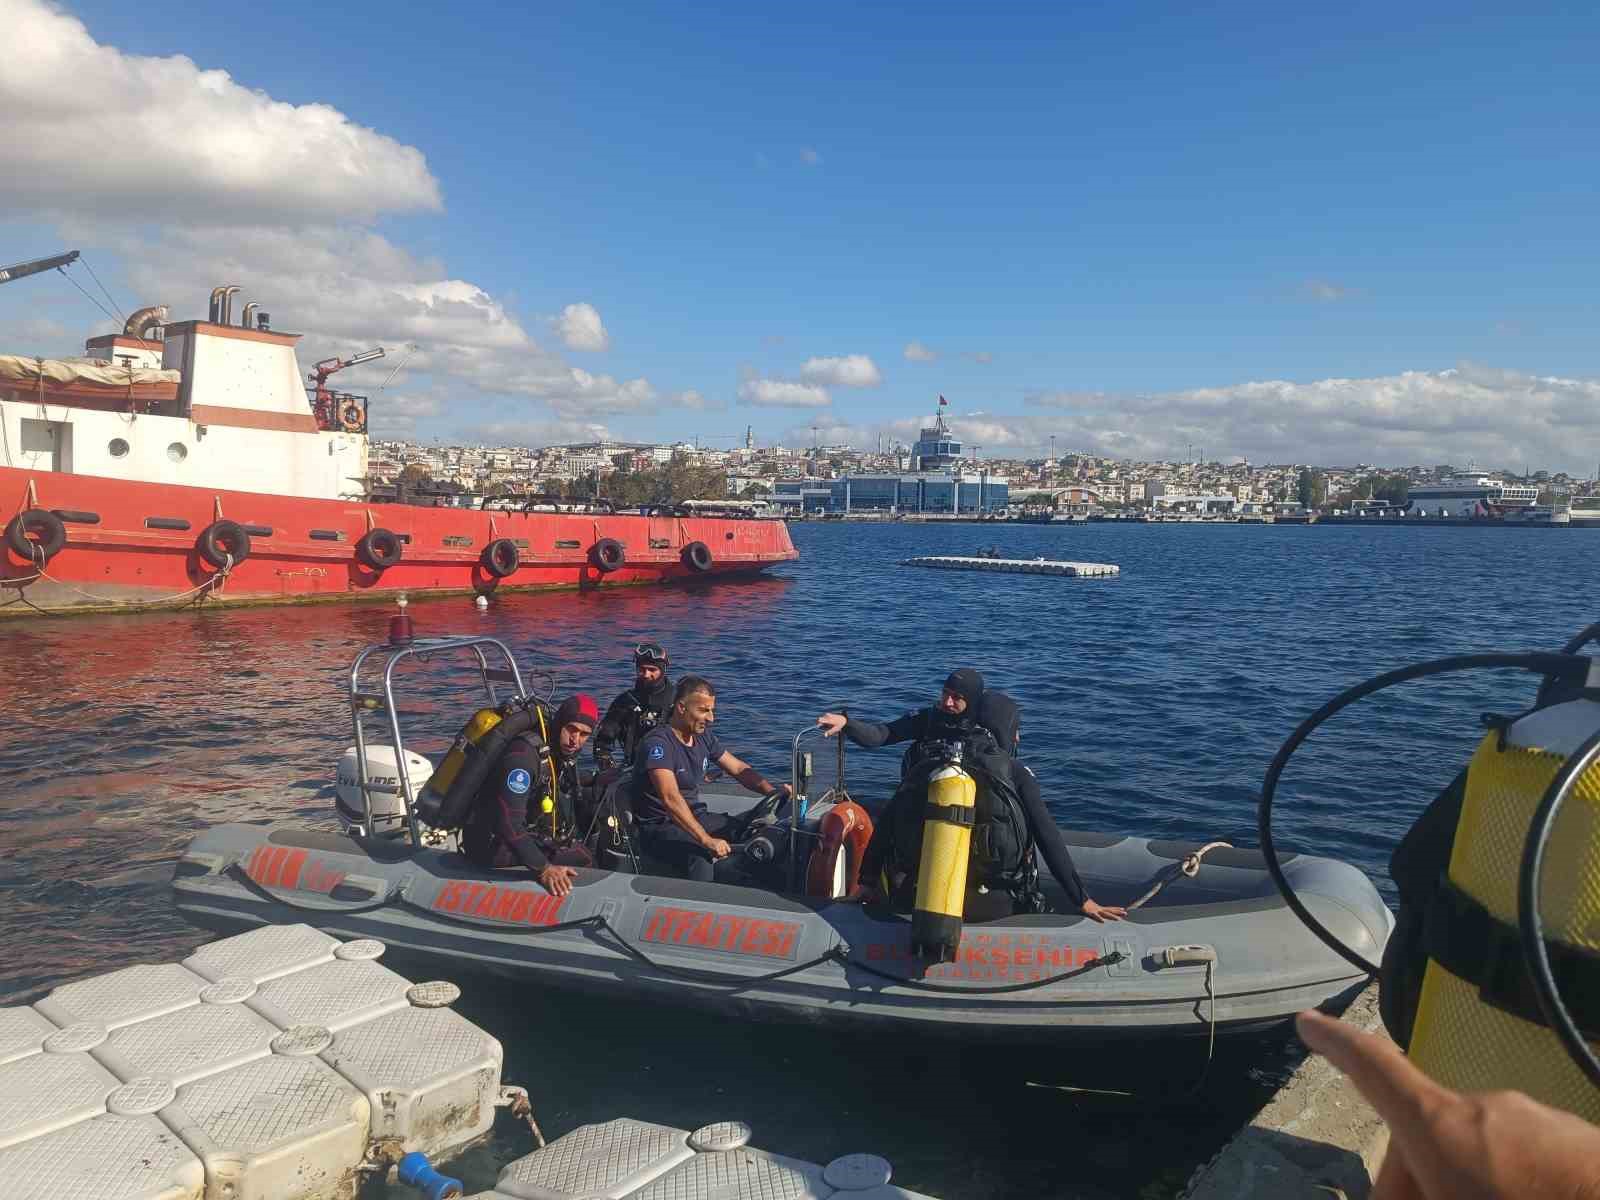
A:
(1495, 417)
(917, 352)
(810, 157)
(395, 414)
(538, 433)
(782, 393)
(351, 289)
(1325, 292)
(91, 130)
(1498, 419)
(214, 183)
(581, 328)
(851, 370)
(695, 402)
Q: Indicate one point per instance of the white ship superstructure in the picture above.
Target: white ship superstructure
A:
(1470, 496)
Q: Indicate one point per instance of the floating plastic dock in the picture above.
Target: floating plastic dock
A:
(281, 1064)
(632, 1160)
(1015, 566)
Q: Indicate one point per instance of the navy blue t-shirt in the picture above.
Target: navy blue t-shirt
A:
(661, 750)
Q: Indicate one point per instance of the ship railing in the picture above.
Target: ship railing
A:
(370, 697)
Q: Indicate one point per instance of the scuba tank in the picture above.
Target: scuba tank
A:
(1478, 1025)
(1491, 949)
(446, 802)
(947, 822)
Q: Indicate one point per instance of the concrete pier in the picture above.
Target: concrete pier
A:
(1316, 1139)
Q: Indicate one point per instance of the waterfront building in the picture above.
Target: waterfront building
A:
(938, 483)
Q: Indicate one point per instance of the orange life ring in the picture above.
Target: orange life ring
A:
(845, 829)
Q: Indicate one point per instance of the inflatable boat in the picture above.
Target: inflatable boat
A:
(1213, 949)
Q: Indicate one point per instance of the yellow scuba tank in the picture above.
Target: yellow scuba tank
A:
(1478, 1025)
(942, 871)
(481, 723)
(447, 799)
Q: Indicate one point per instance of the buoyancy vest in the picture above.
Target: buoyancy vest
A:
(1000, 840)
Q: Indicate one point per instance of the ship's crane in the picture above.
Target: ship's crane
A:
(336, 410)
(22, 270)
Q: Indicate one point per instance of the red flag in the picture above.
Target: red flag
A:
(943, 402)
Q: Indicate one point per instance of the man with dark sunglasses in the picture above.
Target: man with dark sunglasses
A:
(637, 711)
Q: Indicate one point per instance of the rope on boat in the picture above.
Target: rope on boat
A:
(210, 582)
(601, 924)
(1190, 867)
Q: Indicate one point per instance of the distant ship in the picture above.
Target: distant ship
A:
(185, 463)
(1469, 496)
(1584, 512)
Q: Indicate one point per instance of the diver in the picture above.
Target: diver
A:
(675, 826)
(947, 720)
(1002, 716)
(529, 809)
(638, 710)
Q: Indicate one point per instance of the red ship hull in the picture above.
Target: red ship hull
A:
(131, 544)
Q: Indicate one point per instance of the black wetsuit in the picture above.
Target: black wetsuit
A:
(509, 826)
(998, 710)
(631, 715)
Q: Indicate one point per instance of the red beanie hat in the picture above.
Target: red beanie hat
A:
(578, 710)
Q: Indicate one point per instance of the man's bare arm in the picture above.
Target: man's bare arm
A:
(677, 807)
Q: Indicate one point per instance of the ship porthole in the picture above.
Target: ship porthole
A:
(177, 452)
(118, 448)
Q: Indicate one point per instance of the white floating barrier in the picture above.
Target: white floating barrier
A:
(275, 1065)
(1014, 566)
(633, 1160)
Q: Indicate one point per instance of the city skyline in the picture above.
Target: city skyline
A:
(1254, 230)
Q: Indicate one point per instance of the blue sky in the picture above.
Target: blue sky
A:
(1112, 222)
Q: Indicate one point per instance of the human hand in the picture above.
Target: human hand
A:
(718, 847)
(1102, 912)
(557, 880)
(780, 793)
(831, 723)
(1445, 1144)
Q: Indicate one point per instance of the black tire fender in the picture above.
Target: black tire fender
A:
(697, 556)
(608, 554)
(379, 549)
(501, 558)
(49, 534)
(221, 541)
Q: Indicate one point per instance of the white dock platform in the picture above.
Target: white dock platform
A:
(632, 1160)
(1014, 566)
(263, 1067)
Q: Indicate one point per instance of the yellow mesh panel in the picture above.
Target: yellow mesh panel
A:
(1459, 1040)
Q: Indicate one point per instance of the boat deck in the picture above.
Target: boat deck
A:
(266, 1066)
(1014, 566)
(639, 1161)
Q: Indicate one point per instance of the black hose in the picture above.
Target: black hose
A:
(1535, 954)
(1543, 664)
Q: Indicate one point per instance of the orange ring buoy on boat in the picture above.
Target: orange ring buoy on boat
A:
(846, 828)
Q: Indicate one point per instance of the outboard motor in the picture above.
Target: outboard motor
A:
(947, 825)
(383, 780)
